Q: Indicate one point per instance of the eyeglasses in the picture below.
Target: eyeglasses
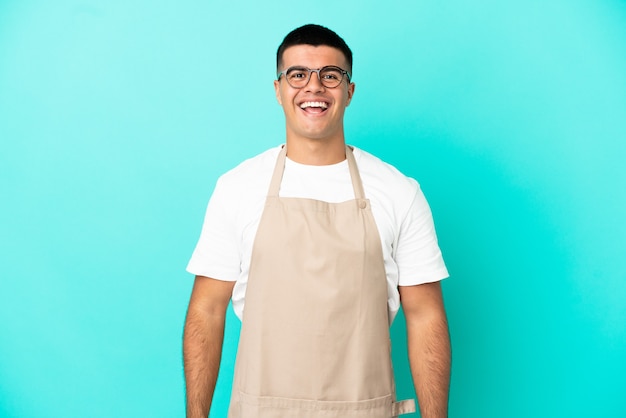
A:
(298, 77)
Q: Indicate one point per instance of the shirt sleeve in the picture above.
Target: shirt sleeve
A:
(217, 252)
(417, 254)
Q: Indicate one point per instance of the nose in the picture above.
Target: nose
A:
(315, 83)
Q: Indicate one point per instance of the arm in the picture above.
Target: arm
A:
(202, 342)
(428, 346)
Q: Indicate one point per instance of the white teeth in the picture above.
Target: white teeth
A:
(314, 104)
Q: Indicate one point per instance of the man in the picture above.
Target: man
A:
(316, 243)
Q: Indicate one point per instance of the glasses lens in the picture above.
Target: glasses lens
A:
(297, 76)
(331, 76)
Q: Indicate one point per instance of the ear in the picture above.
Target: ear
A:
(351, 88)
(277, 91)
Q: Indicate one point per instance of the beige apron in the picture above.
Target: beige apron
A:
(315, 334)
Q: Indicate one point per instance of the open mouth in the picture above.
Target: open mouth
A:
(314, 107)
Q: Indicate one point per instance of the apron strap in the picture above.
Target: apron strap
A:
(279, 168)
(403, 407)
(357, 184)
(277, 176)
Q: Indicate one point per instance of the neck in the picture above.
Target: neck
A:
(316, 151)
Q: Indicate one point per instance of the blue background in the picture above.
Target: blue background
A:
(117, 117)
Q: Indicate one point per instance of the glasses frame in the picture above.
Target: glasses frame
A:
(318, 71)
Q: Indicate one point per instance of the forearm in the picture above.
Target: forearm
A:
(430, 360)
(202, 351)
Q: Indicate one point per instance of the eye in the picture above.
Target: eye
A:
(331, 73)
(297, 73)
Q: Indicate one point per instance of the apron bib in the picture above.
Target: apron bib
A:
(314, 339)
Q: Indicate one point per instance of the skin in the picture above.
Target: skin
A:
(314, 139)
(317, 139)
(428, 342)
(202, 342)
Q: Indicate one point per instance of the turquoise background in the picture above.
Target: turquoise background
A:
(117, 117)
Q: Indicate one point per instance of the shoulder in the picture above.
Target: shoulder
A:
(245, 185)
(250, 173)
(384, 180)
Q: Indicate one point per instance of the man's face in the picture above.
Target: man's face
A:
(305, 118)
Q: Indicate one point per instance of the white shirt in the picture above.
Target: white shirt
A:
(403, 217)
